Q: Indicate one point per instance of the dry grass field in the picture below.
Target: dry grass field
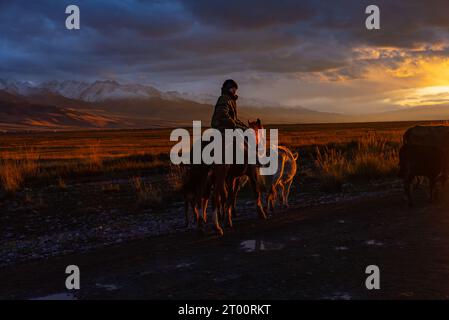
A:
(339, 152)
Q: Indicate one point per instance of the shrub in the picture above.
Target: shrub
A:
(371, 158)
(333, 166)
(13, 172)
(176, 177)
(94, 158)
(147, 193)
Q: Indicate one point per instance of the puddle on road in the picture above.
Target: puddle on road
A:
(57, 296)
(107, 287)
(342, 248)
(259, 245)
(231, 277)
(374, 243)
(184, 265)
(338, 296)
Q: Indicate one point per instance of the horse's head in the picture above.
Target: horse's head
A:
(256, 126)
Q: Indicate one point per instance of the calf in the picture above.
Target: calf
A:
(422, 161)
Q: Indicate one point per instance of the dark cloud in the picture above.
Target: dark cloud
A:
(251, 14)
(184, 39)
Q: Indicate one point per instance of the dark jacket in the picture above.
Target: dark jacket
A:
(225, 114)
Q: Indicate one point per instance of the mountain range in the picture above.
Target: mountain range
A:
(72, 105)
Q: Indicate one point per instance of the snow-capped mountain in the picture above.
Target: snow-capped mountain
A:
(100, 91)
(23, 88)
(109, 104)
(109, 90)
(69, 88)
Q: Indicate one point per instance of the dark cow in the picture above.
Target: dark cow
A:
(437, 136)
(422, 161)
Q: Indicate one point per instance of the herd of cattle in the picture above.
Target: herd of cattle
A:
(424, 153)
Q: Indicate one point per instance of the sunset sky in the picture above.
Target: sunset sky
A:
(315, 54)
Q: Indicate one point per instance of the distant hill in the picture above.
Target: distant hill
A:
(60, 105)
(17, 112)
(109, 104)
(438, 112)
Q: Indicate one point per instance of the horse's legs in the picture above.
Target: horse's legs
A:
(236, 189)
(194, 204)
(204, 204)
(218, 208)
(229, 212)
(217, 226)
(219, 194)
(287, 192)
(282, 188)
(268, 199)
(232, 199)
(200, 219)
(257, 194)
(271, 198)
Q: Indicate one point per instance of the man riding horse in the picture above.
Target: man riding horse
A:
(225, 117)
(225, 114)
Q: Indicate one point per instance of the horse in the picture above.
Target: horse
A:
(196, 190)
(230, 175)
(282, 180)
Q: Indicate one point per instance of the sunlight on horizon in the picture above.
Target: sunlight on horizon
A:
(433, 75)
(426, 96)
(414, 81)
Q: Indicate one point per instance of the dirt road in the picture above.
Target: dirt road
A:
(316, 253)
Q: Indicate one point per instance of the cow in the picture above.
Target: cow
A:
(437, 136)
(422, 161)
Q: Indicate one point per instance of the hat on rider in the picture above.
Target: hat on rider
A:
(228, 84)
